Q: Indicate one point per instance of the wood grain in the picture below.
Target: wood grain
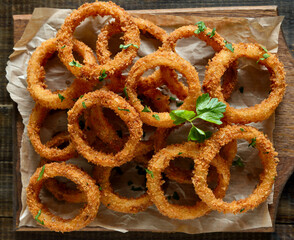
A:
(284, 131)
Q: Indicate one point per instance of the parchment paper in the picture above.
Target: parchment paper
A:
(254, 79)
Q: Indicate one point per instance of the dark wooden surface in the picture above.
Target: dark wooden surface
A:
(285, 216)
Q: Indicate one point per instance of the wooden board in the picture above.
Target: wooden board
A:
(284, 130)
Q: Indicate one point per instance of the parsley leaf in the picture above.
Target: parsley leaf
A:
(156, 117)
(212, 33)
(149, 172)
(242, 129)
(198, 135)
(103, 75)
(63, 47)
(128, 45)
(146, 109)
(265, 56)
(242, 209)
(126, 93)
(41, 173)
(61, 97)
(253, 143)
(238, 162)
(229, 46)
(201, 27)
(84, 105)
(122, 109)
(37, 217)
(180, 153)
(73, 63)
(210, 109)
(181, 116)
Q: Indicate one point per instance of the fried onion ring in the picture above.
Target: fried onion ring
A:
(160, 162)
(211, 148)
(114, 201)
(84, 182)
(121, 60)
(170, 60)
(36, 75)
(218, 65)
(114, 102)
(216, 42)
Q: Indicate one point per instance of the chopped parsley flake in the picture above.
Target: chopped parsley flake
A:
(37, 217)
(61, 97)
(253, 143)
(156, 117)
(211, 34)
(103, 75)
(201, 27)
(149, 172)
(73, 63)
(122, 109)
(128, 45)
(41, 173)
(146, 109)
(84, 105)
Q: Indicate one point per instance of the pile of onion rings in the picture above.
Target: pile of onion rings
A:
(107, 125)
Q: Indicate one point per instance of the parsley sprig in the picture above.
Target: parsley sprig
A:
(201, 27)
(128, 45)
(212, 33)
(103, 75)
(61, 97)
(207, 109)
(74, 63)
(229, 46)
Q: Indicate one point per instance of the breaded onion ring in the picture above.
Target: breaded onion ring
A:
(172, 61)
(211, 148)
(61, 99)
(216, 42)
(120, 61)
(128, 115)
(113, 200)
(84, 182)
(159, 163)
(37, 118)
(218, 65)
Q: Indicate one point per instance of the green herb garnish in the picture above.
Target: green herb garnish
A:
(126, 93)
(146, 109)
(128, 45)
(84, 105)
(208, 109)
(201, 27)
(122, 109)
(211, 34)
(61, 97)
(37, 217)
(264, 56)
(149, 172)
(63, 47)
(242, 129)
(103, 75)
(180, 153)
(73, 63)
(179, 103)
(156, 117)
(242, 209)
(172, 99)
(253, 143)
(41, 173)
(229, 46)
(238, 162)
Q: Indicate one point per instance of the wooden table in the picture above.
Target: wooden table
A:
(285, 216)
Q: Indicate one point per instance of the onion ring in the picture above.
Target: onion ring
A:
(211, 148)
(114, 201)
(37, 118)
(159, 163)
(216, 42)
(114, 102)
(259, 112)
(36, 75)
(170, 60)
(84, 182)
(121, 60)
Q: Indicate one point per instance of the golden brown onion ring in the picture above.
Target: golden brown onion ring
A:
(172, 61)
(159, 163)
(121, 60)
(84, 182)
(128, 115)
(114, 201)
(218, 65)
(36, 76)
(216, 42)
(211, 148)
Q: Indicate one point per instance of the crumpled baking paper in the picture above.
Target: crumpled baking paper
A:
(254, 79)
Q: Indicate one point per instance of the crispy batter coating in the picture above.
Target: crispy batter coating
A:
(160, 162)
(211, 148)
(113, 101)
(222, 60)
(84, 182)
